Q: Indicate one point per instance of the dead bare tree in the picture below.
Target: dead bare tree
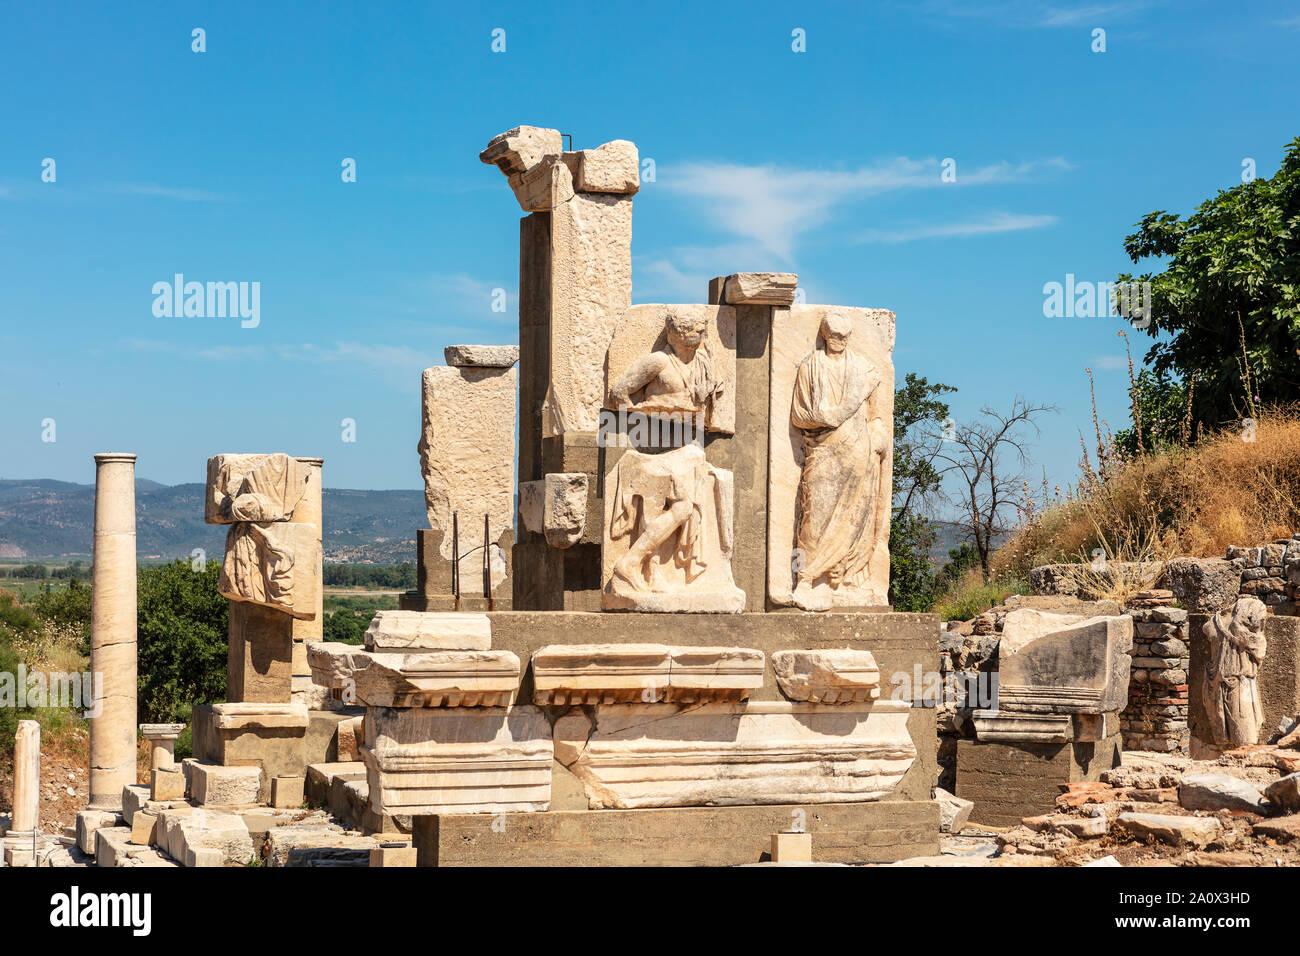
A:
(983, 464)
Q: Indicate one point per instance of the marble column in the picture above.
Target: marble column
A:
(27, 778)
(310, 510)
(113, 632)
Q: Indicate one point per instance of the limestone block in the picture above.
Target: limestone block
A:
(143, 827)
(334, 664)
(440, 679)
(760, 288)
(349, 735)
(403, 855)
(429, 631)
(1219, 791)
(257, 715)
(167, 784)
(134, 798)
(281, 841)
(1017, 727)
(543, 187)
(643, 673)
(601, 673)
(614, 167)
(1204, 585)
(769, 752)
(640, 346)
(712, 674)
(520, 149)
(191, 829)
(113, 846)
(287, 792)
(1166, 828)
(954, 812)
(212, 784)
(88, 821)
(667, 535)
(481, 356)
(831, 676)
(253, 487)
(791, 848)
(1054, 664)
(203, 856)
(467, 457)
(555, 506)
(830, 472)
(591, 287)
(458, 760)
(1284, 794)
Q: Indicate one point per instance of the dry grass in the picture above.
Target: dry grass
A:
(1187, 501)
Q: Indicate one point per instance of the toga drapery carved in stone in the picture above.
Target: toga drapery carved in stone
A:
(1236, 649)
(837, 501)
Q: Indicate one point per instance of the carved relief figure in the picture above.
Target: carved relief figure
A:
(668, 513)
(1237, 648)
(841, 470)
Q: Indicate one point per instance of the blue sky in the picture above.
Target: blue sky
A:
(225, 166)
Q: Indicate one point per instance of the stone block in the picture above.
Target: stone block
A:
(1219, 791)
(439, 679)
(481, 356)
(839, 676)
(401, 631)
(611, 168)
(196, 828)
(287, 792)
(760, 288)
(167, 784)
(791, 847)
(1165, 828)
(134, 797)
(404, 855)
(88, 821)
(224, 786)
(144, 827)
(555, 507)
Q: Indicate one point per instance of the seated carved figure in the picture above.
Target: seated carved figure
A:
(668, 512)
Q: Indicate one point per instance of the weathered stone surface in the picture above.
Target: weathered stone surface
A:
(457, 760)
(167, 783)
(1166, 828)
(428, 631)
(481, 356)
(954, 812)
(134, 798)
(195, 828)
(334, 664)
(254, 487)
(760, 288)
(660, 755)
(590, 288)
(712, 674)
(88, 821)
(1219, 791)
(113, 633)
(258, 715)
(555, 506)
(612, 168)
(1284, 794)
(830, 466)
(467, 457)
(644, 673)
(113, 846)
(223, 786)
(27, 778)
(1283, 829)
(520, 149)
(287, 792)
(283, 841)
(676, 363)
(162, 739)
(1204, 585)
(1054, 664)
(1232, 706)
(838, 676)
(439, 679)
(792, 847)
(1022, 727)
(668, 535)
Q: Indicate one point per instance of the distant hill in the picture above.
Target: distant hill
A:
(48, 519)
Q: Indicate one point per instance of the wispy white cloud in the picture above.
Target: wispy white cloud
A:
(989, 225)
(1034, 14)
(772, 206)
(183, 193)
(1291, 23)
(381, 359)
(1109, 363)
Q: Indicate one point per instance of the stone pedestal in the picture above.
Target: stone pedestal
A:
(1010, 781)
(113, 632)
(162, 741)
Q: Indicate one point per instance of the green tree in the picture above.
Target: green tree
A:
(182, 623)
(1226, 309)
(917, 407)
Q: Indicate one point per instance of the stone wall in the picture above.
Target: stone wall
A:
(1271, 572)
(1156, 716)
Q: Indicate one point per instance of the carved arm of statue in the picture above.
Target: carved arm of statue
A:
(640, 374)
